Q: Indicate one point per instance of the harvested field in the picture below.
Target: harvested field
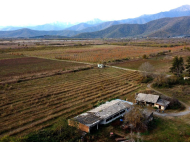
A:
(99, 53)
(35, 104)
(29, 65)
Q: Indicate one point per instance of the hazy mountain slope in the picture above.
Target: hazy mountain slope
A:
(32, 33)
(100, 26)
(56, 26)
(79, 27)
(157, 28)
(175, 27)
(178, 12)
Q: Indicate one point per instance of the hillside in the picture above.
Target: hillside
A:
(33, 33)
(178, 12)
(158, 28)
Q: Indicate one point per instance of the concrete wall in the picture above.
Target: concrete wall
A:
(84, 128)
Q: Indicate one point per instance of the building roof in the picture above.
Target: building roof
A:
(147, 97)
(87, 119)
(163, 102)
(95, 115)
(110, 108)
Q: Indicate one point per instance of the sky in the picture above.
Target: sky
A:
(38, 12)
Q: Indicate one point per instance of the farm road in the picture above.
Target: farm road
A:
(185, 112)
(122, 68)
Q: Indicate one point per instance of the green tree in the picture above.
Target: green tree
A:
(188, 65)
(177, 66)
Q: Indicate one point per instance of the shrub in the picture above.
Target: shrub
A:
(144, 56)
(146, 79)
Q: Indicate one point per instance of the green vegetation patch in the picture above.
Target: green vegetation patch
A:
(168, 130)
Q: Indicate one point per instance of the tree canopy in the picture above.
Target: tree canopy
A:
(177, 66)
(188, 65)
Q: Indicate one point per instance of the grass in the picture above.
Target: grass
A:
(157, 63)
(169, 130)
(161, 63)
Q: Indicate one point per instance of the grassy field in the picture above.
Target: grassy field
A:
(169, 130)
(161, 63)
(35, 104)
(99, 53)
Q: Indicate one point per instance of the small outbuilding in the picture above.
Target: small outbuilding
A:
(162, 104)
(146, 99)
(151, 100)
(101, 65)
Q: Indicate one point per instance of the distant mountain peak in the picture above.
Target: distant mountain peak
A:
(182, 8)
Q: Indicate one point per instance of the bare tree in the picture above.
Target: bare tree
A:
(135, 119)
(146, 69)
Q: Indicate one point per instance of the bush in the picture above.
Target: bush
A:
(146, 79)
(144, 56)
(162, 81)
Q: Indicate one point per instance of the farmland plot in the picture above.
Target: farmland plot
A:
(30, 65)
(99, 53)
(35, 104)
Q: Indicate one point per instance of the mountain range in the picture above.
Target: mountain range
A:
(164, 27)
(146, 25)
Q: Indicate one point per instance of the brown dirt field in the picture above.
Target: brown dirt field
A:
(29, 65)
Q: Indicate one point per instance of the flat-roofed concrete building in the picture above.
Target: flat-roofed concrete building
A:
(103, 114)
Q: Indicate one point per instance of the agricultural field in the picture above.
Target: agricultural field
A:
(54, 89)
(38, 103)
(161, 63)
(38, 43)
(99, 53)
(24, 66)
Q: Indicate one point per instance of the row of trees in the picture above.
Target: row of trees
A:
(178, 66)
